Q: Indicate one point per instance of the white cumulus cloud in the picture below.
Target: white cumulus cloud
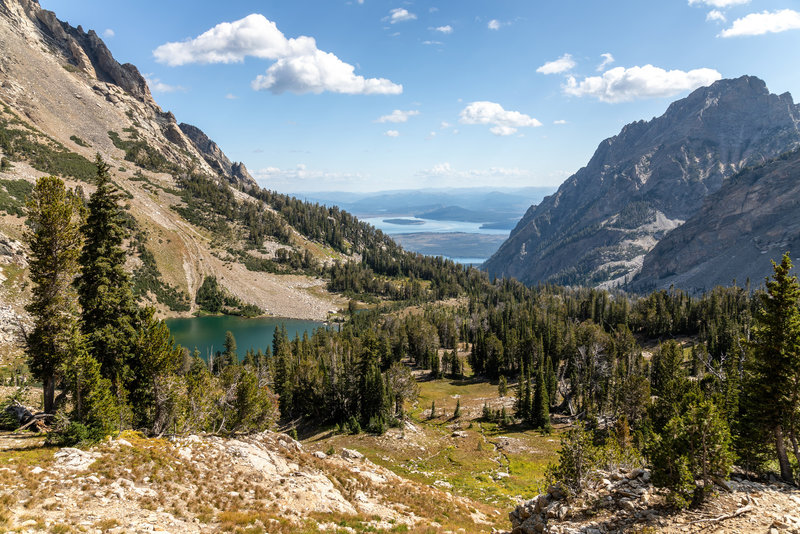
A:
(231, 42)
(400, 15)
(563, 64)
(157, 86)
(716, 15)
(300, 67)
(398, 115)
(503, 122)
(560, 121)
(108, 33)
(494, 24)
(444, 29)
(392, 133)
(608, 59)
(622, 85)
(765, 22)
(301, 177)
(446, 170)
(318, 72)
(718, 3)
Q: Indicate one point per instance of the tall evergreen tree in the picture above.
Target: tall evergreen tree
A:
(54, 217)
(541, 403)
(230, 356)
(104, 287)
(775, 370)
(157, 359)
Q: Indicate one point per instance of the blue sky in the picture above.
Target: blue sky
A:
(356, 95)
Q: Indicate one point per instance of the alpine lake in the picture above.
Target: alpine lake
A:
(207, 333)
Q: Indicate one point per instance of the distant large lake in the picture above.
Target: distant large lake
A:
(208, 333)
(428, 225)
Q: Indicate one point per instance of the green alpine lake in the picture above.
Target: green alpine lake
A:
(207, 334)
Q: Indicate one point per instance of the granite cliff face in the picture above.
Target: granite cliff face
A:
(235, 172)
(645, 182)
(754, 218)
(67, 82)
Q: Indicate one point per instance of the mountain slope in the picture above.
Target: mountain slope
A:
(646, 181)
(64, 98)
(68, 84)
(755, 217)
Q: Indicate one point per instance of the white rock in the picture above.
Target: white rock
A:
(352, 454)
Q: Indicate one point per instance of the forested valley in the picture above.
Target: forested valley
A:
(687, 384)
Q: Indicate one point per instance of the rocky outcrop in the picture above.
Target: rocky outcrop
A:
(120, 84)
(626, 501)
(86, 50)
(627, 494)
(266, 482)
(646, 181)
(753, 219)
(236, 173)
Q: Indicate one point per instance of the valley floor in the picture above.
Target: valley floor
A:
(438, 474)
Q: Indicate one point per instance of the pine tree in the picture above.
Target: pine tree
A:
(502, 386)
(229, 356)
(693, 445)
(372, 395)
(104, 288)
(93, 403)
(541, 404)
(284, 370)
(157, 359)
(54, 239)
(775, 371)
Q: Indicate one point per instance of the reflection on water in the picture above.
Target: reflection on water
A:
(207, 334)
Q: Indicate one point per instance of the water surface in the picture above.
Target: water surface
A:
(207, 334)
(428, 225)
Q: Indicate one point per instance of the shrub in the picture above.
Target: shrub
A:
(75, 434)
(576, 458)
(694, 445)
(353, 426)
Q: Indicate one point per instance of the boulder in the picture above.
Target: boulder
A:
(352, 454)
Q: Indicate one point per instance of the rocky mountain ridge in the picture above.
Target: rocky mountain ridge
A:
(752, 219)
(645, 182)
(85, 56)
(625, 500)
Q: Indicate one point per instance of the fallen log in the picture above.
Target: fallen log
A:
(740, 511)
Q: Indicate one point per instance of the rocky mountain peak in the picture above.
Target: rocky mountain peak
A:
(87, 93)
(236, 172)
(86, 51)
(646, 181)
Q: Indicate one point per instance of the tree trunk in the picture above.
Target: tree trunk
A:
(795, 445)
(49, 391)
(783, 458)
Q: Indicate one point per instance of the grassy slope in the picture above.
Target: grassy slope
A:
(492, 465)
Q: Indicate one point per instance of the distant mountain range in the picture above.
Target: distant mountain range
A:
(622, 219)
(496, 206)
